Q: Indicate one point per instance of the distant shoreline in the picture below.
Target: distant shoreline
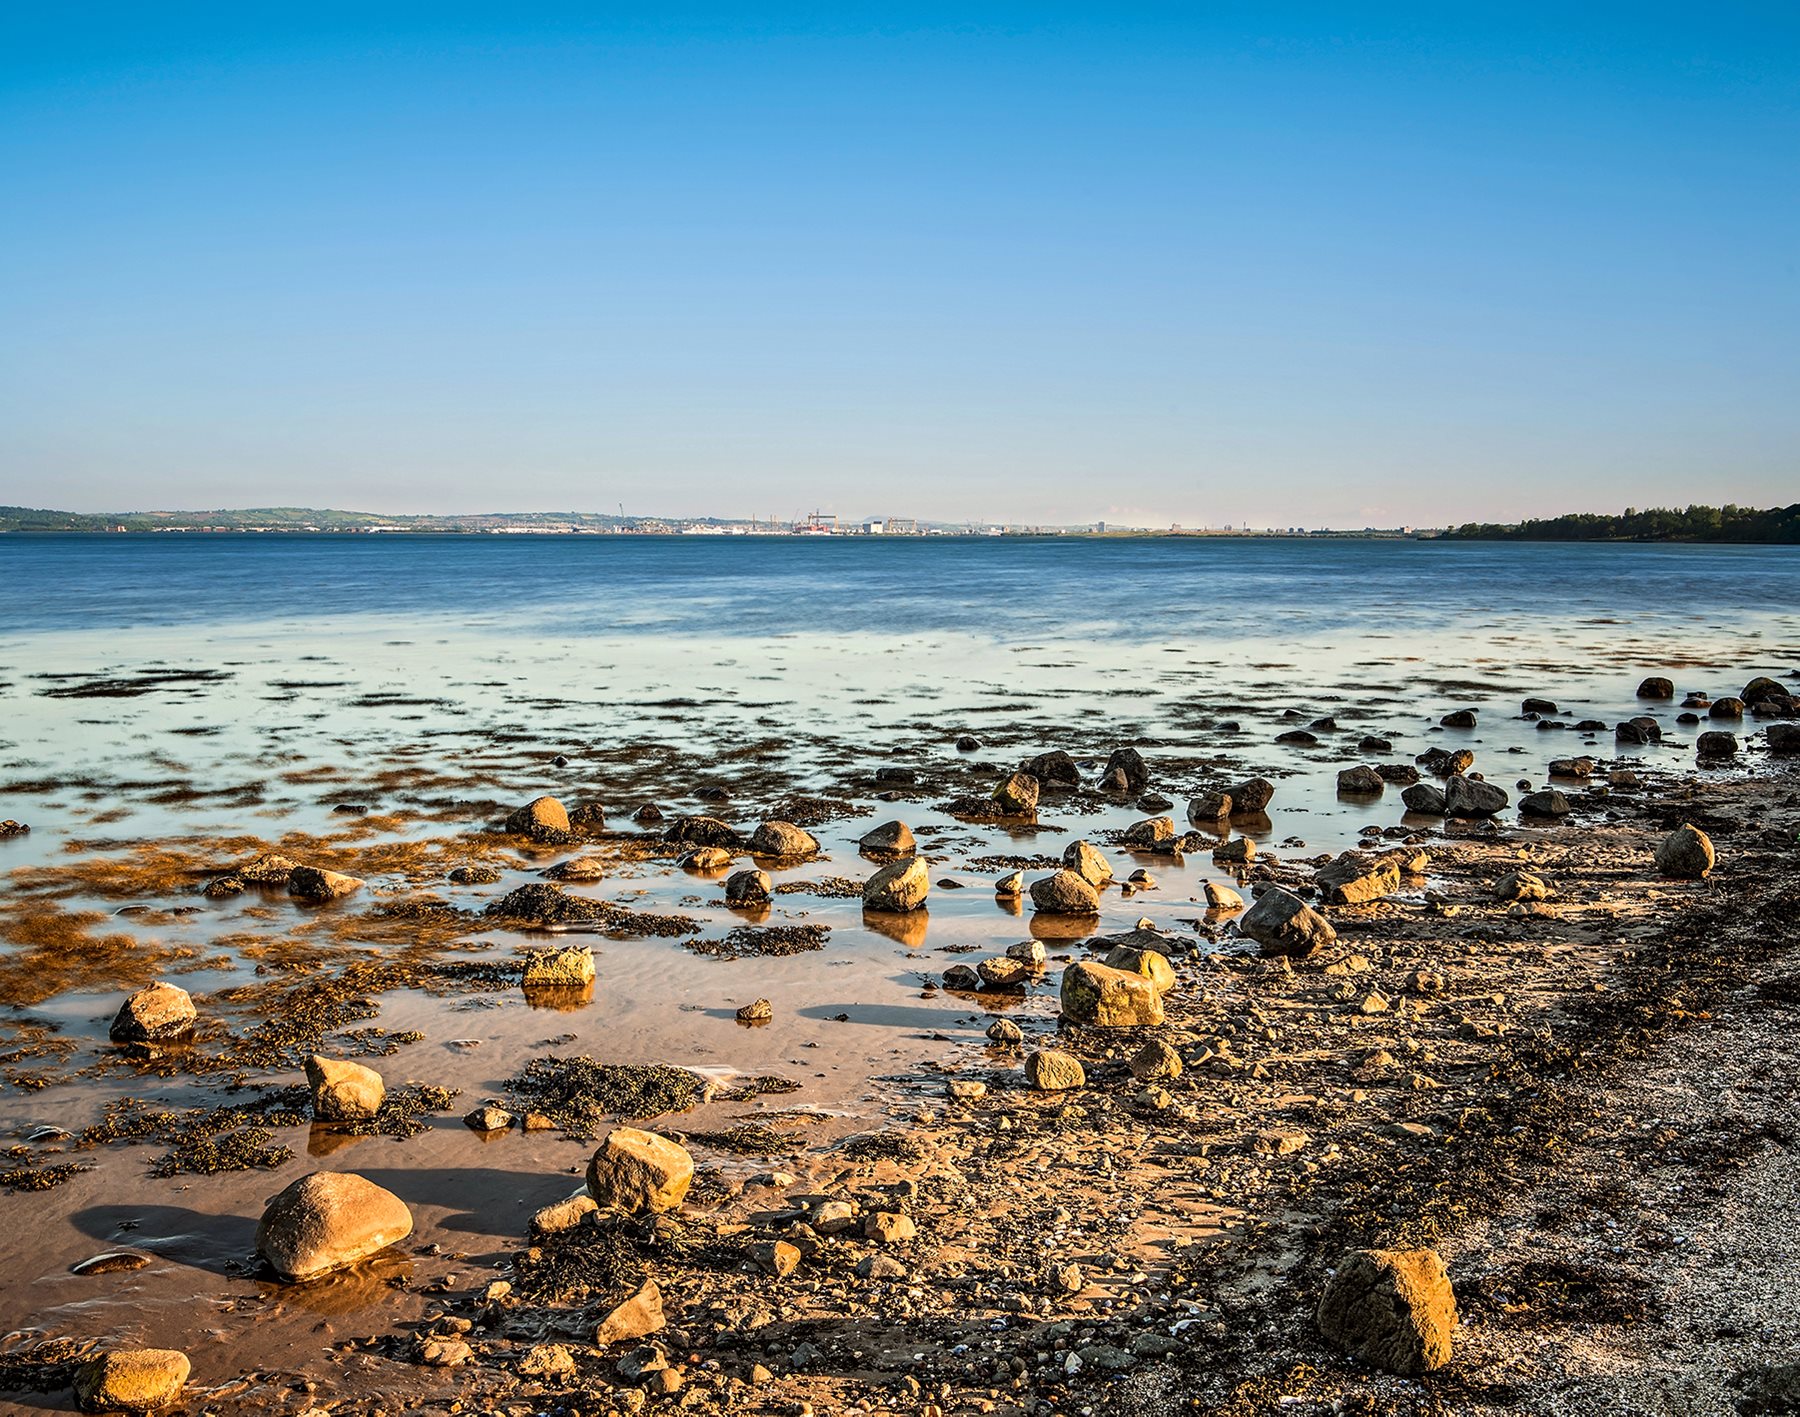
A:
(1694, 525)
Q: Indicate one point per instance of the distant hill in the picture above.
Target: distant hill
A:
(287, 519)
(1774, 526)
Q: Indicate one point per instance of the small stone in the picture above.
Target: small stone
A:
(1018, 795)
(561, 1216)
(547, 1360)
(778, 1257)
(1221, 897)
(965, 1089)
(757, 1011)
(888, 1228)
(1010, 885)
(1521, 885)
(1006, 1033)
(489, 1118)
(1086, 861)
(880, 1267)
(542, 818)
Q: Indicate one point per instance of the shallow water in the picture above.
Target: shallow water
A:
(433, 680)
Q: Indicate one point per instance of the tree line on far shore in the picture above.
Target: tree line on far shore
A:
(1768, 526)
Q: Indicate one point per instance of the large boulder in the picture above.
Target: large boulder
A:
(1686, 854)
(542, 819)
(783, 839)
(315, 885)
(1716, 744)
(343, 1091)
(1472, 797)
(1283, 924)
(898, 886)
(1108, 997)
(639, 1172)
(1018, 795)
(131, 1380)
(157, 1013)
(1728, 708)
(1357, 878)
(1087, 861)
(1656, 687)
(1783, 737)
(328, 1220)
(1051, 1070)
(1065, 893)
(1393, 1309)
(1763, 689)
(888, 839)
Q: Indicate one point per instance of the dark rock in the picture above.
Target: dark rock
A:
(1283, 924)
(1459, 718)
(1471, 797)
(1131, 763)
(1656, 687)
(1392, 1309)
(1425, 798)
(1726, 708)
(888, 839)
(1549, 803)
(1717, 744)
(1252, 796)
(1359, 782)
(1055, 768)
(704, 831)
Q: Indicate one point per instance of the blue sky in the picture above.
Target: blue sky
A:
(1326, 265)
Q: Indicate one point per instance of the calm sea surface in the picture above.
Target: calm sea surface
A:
(1005, 588)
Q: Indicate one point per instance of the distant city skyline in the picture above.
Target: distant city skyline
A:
(1279, 265)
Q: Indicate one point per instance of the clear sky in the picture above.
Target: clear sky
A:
(1276, 263)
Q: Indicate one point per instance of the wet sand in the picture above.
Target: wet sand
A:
(142, 782)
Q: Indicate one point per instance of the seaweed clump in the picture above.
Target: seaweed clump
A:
(763, 942)
(579, 1095)
(544, 906)
(204, 1141)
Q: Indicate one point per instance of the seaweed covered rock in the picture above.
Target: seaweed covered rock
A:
(545, 906)
(131, 1380)
(328, 1220)
(343, 1091)
(638, 1172)
(704, 831)
(157, 1013)
(1393, 1309)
